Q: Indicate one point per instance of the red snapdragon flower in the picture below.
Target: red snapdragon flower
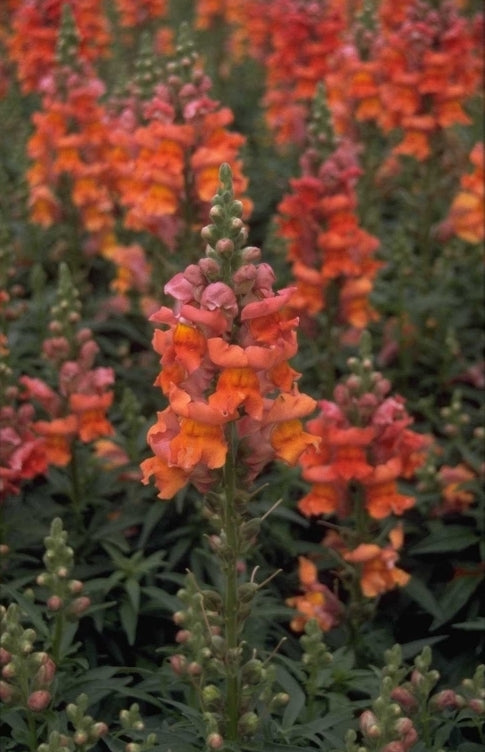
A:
(326, 244)
(34, 36)
(365, 440)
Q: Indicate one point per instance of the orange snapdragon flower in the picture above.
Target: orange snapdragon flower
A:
(226, 334)
(456, 494)
(378, 565)
(67, 149)
(164, 148)
(317, 601)
(370, 456)
(467, 213)
(58, 434)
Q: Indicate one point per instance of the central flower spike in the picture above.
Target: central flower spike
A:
(224, 366)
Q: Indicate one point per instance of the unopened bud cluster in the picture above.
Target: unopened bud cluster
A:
(205, 658)
(26, 674)
(65, 593)
(454, 416)
(86, 731)
(65, 316)
(407, 708)
(134, 727)
(316, 657)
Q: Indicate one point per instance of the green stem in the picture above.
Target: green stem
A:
(231, 595)
(32, 732)
(57, 637)
(75, 484)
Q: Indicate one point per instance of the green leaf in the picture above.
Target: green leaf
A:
(456, 595)
(297, 697)
(473, 625)
(446, 538)
(162, 598)
(129, 620)
(132, 587)
(32, 610)
(154, 514)
(417, 590)
(410, 649)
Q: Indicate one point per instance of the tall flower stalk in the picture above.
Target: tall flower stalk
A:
(233, 408)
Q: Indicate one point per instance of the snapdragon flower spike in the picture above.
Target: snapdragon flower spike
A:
(224, 356)
(34, 34)
(77, 405)
(366, 442)
(327, 247)
(304, 37)
(367, 447)
(22, 452)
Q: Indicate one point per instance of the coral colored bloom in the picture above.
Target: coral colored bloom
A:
(467, 213)
(168, 479)
(325, 498)
(58, 434)
(90, 410)
(378, 571)
(381, 494)
(456, 494)
(224, 371)
(238, 387)
(289, 440)
(35, 31)
(317, 602)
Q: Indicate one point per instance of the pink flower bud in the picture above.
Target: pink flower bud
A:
(215, 741)
(394, 747)
(447, 698)
(209, 267)
(99, 729)
(46, 673)
(6, 692)
(79, 605)
(405, 699)
(75, 587)
(250, 254)
(477, 705)
(368, 724)
(416, 677)
(194, 668)
(4, 656)
(80, 738)
(54, 603)
(179, 618)
(183, 635)
(9, 671)
(178, 663)
(38, 700)
(224, 246)
(403, 726)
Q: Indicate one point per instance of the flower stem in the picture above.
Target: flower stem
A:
(231, 595)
